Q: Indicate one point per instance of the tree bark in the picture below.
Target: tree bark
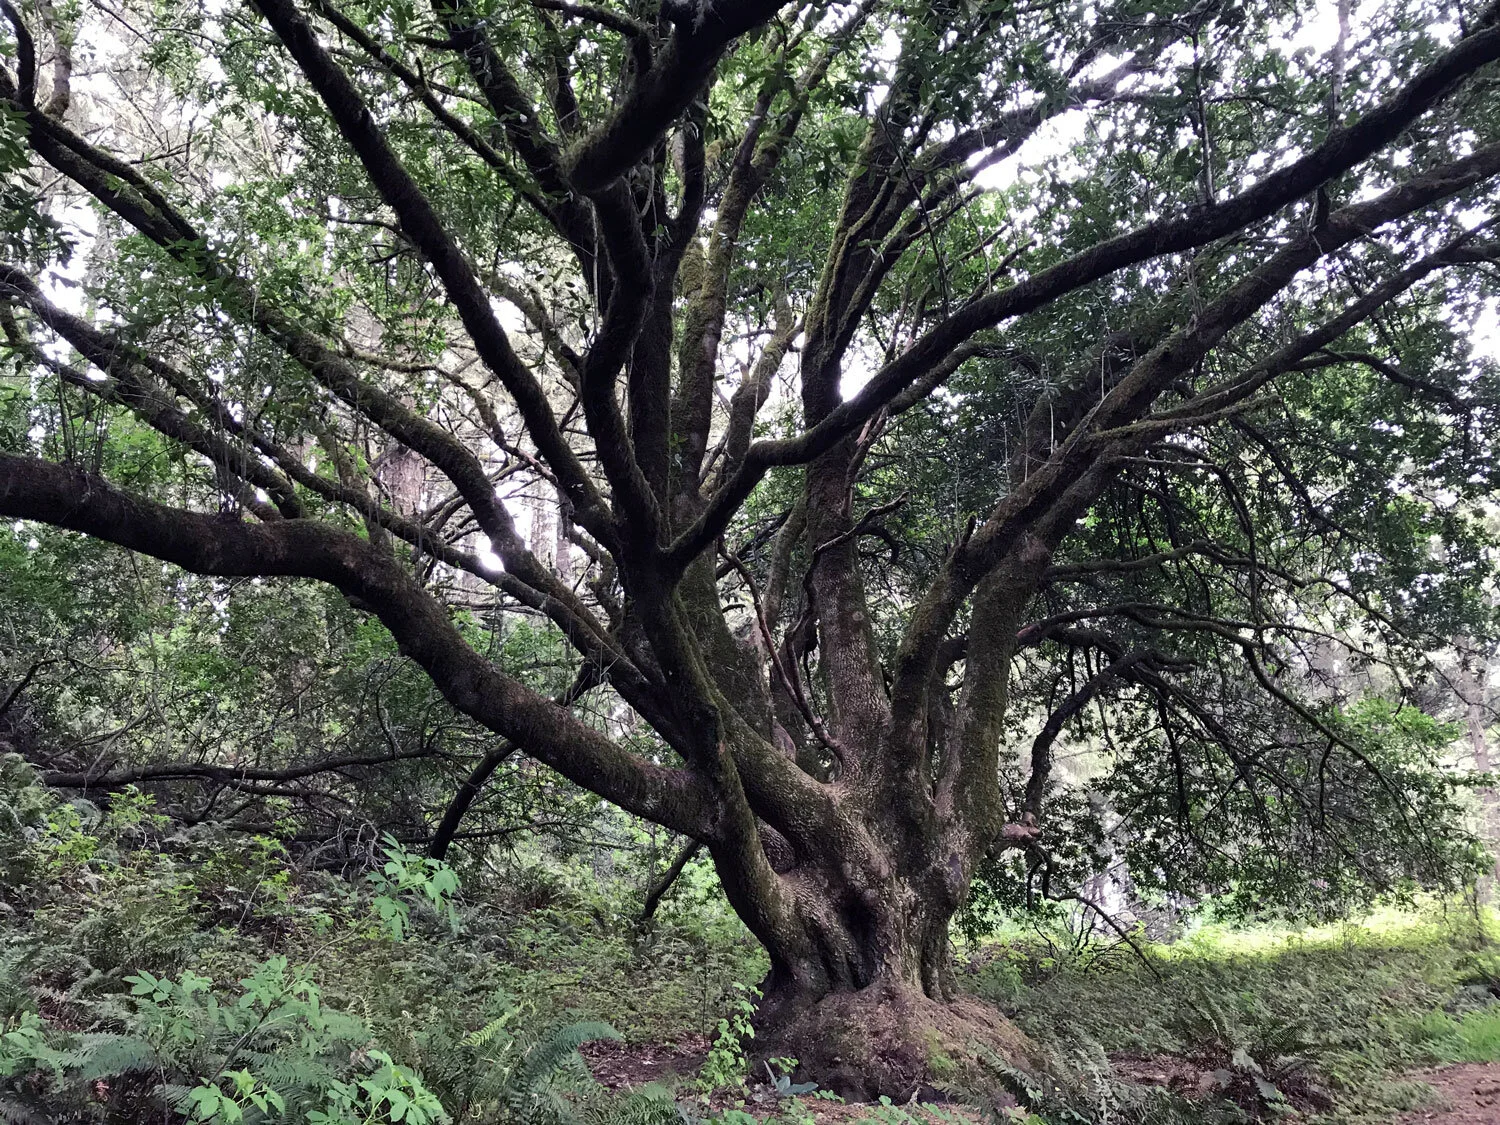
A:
(847, 869)
(865, 998)
(861, 988)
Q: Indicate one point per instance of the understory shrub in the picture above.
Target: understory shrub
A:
(147, 969)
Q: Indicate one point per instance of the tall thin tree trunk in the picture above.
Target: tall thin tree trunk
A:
(1470, 685)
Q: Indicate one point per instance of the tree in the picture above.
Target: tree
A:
(747, 287)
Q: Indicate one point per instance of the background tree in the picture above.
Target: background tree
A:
(868, 398)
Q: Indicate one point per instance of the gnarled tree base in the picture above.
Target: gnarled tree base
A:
(888, 1039)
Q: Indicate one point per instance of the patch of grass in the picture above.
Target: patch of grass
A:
(1335, 1011)
(1480, 1034)
(1473, 1037)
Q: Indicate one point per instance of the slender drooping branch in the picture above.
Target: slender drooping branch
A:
(447, 829)
(668, 879)
(1041, 746)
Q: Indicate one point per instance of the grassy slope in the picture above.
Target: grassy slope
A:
(1342, 1011)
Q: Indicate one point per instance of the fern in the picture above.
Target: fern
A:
(490, 1032)
(288, 1072)
(15, 1111)
(540, 1107)
(105, 1054)
(522, 1085)
(15, 967)
(548, 1056)
(648, 1105)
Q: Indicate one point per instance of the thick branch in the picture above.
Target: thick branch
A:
(1341, 151)
(421, 224)
(66, 497)
(673, 81)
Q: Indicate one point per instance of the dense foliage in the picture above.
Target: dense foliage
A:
(149, 967)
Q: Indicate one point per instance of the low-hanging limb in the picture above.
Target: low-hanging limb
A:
(121, 359)
(67, 497)
(227, 776)
(20, 686)
(1041, 746)
(472, 785)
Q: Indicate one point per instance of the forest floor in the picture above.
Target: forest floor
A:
(1393, 1021)
(626, 1066)
(1462, 1094)
(1467, 1094)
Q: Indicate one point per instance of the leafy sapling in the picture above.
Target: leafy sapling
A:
(406, 876)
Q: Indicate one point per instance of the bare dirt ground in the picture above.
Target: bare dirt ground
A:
(1467, 1095)
(620, 1066)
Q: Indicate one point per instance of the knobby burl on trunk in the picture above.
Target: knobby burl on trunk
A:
(846, 811)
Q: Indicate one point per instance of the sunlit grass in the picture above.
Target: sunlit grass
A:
(1389, 926)
(1365, 1004)
(1432, 918)
(1474, 1038)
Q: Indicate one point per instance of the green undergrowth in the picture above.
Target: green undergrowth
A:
(1319, 1024)
(154, 972)
(574, 948)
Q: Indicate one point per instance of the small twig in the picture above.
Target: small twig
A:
(863, 525)
(1112, 924)
(810, 598)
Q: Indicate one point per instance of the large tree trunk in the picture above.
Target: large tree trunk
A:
(861, 989)
(873, 1009)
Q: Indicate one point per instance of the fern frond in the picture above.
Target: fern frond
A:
(494, 1080)
(538, 1107)
(647, 1105)
(543, 1060)
(290, 1071)
(16, 1112)
(106, 1054)
(487, 1034)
